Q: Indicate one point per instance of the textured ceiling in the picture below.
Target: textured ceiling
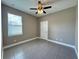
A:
(24, 5)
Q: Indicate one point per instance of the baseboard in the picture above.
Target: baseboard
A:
(8, 46)
(76, 51)
(60, 43)
(64, 44)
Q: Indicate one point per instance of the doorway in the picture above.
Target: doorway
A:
(44, 29)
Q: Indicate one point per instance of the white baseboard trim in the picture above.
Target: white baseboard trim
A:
(76, 51)
(8, 46)
(60, 43)
(64, 44)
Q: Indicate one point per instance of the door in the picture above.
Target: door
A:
(44, 29)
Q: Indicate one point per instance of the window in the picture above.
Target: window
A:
(14, 25)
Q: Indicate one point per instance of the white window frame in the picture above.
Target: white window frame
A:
(16, 29)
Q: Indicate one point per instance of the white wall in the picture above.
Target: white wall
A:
(30, 26)
(61, 25)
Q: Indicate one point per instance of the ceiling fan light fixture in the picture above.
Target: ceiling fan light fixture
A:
(40, 8)
(40, 11)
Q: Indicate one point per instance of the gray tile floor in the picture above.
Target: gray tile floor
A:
(39, 49)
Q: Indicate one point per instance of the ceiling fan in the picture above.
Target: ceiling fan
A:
(40, 8)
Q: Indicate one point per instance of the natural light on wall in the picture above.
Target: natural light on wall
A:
(14, 25)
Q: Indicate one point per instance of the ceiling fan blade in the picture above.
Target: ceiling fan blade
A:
(47, 7)
(33, 8)
(44, 12)
(36, 12)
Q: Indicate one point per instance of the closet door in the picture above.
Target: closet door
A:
(44, 29)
